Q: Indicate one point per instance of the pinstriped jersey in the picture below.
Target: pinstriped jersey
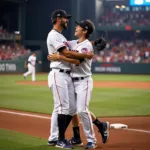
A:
(56, 40)
(84, 69)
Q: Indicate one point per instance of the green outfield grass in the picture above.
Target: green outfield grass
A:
(105, 101)
(10, 140)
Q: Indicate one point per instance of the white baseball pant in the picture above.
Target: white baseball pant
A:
(31, 70)
(83, 90)
(62, 88)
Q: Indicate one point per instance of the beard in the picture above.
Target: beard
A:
(64, 25)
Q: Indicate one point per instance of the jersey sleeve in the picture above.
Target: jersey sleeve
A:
(57, 42)
(86, 48)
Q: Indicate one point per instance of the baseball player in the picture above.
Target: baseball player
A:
(31, 66)
(60, 81)
(81, 75)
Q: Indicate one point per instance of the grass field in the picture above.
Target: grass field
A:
(105, 102)
(10, 140)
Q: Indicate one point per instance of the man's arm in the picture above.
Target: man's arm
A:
(39, 61)
(55, 57)
(75, 55)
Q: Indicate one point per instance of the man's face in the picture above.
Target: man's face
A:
(34, 54)
(79, 31)
(64, 22)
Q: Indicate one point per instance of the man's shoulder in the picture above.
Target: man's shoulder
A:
(54, 34)
(88, 43)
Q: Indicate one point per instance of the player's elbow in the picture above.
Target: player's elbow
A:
(90, 56)
(66, 53)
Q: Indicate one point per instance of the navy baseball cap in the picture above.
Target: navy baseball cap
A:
(59, 13)
(87, 25)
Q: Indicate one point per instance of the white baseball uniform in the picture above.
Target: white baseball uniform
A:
(31, 67)
(60, 83)
(83, 84)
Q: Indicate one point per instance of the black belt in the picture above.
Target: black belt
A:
(77, 78)
(62, 70)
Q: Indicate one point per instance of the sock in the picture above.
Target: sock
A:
(62, 125)
(69, 118)
(76, 132)
(98, 124)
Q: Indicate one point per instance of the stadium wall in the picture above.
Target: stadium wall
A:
(120, 68)
(18, 66)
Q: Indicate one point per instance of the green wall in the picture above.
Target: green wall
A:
(16, 66)
(121, 68)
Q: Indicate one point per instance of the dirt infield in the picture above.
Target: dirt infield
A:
(137, 138)
(100, 84)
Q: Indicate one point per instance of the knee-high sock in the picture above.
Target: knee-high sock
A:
(76, 132)
(68, 120)
(98, 124)
(62, 125)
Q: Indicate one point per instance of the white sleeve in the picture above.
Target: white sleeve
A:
(57, 42)
(87, 48)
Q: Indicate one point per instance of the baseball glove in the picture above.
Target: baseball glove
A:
(100, 44)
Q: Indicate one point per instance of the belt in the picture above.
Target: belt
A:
(78, 78)
(62, 70)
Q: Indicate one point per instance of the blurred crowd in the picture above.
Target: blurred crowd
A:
(12, 51)
(9, 49)
(122, 18)
(125, 52)
(117, 50)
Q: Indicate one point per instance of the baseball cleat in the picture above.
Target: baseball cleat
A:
(76, 141)
(51, 143)
(24, 77)
(105, 132)
(64, 144)
(90, 145)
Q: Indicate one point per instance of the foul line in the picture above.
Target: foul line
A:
(44, 117)
(137, 130)
(24, 114)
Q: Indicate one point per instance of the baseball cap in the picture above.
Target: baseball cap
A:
(59, 13)
(87, 25)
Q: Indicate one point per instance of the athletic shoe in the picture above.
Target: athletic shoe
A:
(76, 141)
(64, 144)
(105, 132)
(90, 145)
(51, 143)
(24, 77)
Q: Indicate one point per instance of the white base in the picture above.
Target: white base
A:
(118, 126)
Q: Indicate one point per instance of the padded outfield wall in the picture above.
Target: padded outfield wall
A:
(18, 66)
(121, 68)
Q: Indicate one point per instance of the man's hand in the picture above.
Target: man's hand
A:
(53, 57)
(90, 54)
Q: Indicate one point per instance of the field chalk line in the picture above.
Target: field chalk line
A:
(44, 117)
